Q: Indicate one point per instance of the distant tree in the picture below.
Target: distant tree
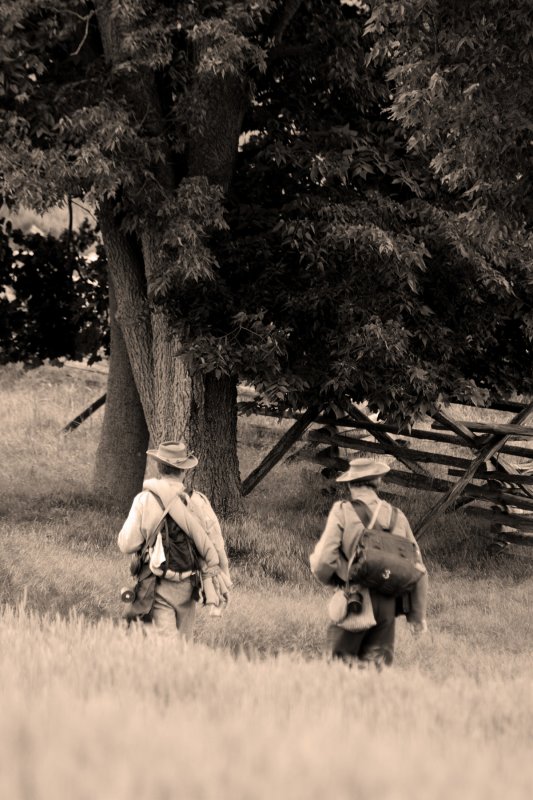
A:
(54, 306)
(53, 302)
(264, 215)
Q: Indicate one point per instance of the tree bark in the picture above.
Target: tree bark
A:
(121, 454)
(197, 409)
(126, 270)
(177, 405)
(213, 435)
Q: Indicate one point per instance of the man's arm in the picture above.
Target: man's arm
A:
(200, 506)
(419, 594)
(131, 538)
(326, 559)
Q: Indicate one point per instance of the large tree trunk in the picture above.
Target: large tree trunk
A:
(177, 405)
(212, 153)
(121, 454)
(214, 432)
(126, 268)
(199, 410)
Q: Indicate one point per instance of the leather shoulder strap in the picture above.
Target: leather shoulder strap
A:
(370, 521)
(152, 536)
(362, 511)
(393, 519)
(157, 498)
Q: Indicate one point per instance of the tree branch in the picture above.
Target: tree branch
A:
(287, 13)
(291, 50)
(84, 38)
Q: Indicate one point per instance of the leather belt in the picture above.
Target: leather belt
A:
(177, 577)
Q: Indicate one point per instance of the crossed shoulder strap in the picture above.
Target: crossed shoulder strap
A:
(184, 497)
(369, 520)
(163, 521)
(152, 537)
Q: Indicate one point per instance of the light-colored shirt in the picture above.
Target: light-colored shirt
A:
(329, 560)
(146, 514)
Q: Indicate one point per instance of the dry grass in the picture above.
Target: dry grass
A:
(252, 709)
(91, 712)
(35, 406)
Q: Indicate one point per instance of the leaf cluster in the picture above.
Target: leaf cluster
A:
(53, 296)
(369, 243)
(349, 269)
(461, 78)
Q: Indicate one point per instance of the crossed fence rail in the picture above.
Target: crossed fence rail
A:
(488, 485)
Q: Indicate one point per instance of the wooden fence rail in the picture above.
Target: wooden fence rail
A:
(429, 435)
(487, 444)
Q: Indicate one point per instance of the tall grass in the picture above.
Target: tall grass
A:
(35, 459)
(92, 712)
(252, 708)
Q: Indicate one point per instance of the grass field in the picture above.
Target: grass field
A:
(251, 709)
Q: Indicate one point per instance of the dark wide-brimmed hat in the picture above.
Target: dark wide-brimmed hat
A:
(174, 454)
(363, 468)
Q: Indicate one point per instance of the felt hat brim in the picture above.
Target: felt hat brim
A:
(183, 463)
(354, 474)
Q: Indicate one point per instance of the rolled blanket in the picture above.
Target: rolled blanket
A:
(210, 591)
(225, 584)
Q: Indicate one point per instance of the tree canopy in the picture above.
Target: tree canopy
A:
(462, 75)
(355, 263)
(53, 297)
(311, 186)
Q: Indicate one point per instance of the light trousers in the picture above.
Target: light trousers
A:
(174, 609)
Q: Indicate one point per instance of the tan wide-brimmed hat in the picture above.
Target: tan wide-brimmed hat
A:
(361, 468)
(174, 454)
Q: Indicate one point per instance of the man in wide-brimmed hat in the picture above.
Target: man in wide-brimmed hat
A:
(332, 555)
(175, 455)
(178, 537)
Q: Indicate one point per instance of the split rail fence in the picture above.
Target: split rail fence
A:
(488, 485)
(484, 481)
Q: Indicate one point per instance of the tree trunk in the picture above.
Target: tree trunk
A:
(177, 405)
(121, 454)
(212, 152)
(126, 270)
(198, 409)
(214, 433)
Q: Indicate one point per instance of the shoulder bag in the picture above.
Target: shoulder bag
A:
(383, 561)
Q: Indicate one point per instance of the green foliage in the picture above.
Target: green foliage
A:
(53, 298)
(462, 77)
(369, 244)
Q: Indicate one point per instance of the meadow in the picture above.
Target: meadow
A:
(252, 708)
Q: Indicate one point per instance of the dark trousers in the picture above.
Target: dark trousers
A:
(376, 645)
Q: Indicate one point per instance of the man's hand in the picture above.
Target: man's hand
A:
(418, 628)
(211, 572)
